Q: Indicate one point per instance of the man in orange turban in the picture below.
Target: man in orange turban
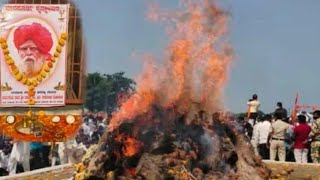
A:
(34, 43)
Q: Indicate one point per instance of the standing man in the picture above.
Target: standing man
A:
(277, 137)
(20, 154)
(282, 110)
(262, 136)
(301, 136)
(315, 135)
(253, 106)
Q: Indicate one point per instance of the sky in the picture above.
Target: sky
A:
(276, 45)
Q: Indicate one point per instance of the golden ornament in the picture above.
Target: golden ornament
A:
(56, 54)
(46, 68)
(43, 74)
(10, 62)
(39, 78)
(6, 51)
(15, 71)
(2, 40)
(34, 83)
(31, 88)
(31, 102)
(64, 36)
(24, 80)
(53, 59)
(19, 76)
(4, 45)
(62, 42)
(59, 49)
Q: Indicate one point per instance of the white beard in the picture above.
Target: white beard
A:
(32, 67)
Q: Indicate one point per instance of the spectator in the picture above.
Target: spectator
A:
(20, 154)
(36, 152)
(262, 137)
(282, 110)
(248, 129)
(253, 106)
(65, 150)
(301, 133)
(315, 135)
(86, 128)
(4, 160)
(277, 137)
(254, 139)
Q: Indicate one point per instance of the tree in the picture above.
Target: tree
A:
(103, 90)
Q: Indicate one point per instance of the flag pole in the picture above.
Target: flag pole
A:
(294, 110)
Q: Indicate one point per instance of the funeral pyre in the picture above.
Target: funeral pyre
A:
(172, 126)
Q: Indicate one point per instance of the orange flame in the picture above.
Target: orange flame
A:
(131, 147)
(196, 68)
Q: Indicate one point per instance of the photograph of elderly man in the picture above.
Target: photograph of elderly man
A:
(33, 43)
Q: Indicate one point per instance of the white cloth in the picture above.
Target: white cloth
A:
(4, 160)
(254, 140)
(301, 155)
(251, 121)
(64, 150)
(20, 154)
(102, 125)
(263, 132)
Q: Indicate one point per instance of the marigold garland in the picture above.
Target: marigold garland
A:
(43, 73)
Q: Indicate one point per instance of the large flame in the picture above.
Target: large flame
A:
(196, 67)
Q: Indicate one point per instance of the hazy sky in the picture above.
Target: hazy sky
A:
(276, 44)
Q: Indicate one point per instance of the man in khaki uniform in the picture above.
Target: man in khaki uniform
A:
(276, 136)
(315, 135)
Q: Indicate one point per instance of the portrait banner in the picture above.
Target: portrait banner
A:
(33, 55)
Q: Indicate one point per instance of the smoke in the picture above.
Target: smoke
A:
(196, 64)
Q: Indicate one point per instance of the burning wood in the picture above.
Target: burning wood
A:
(185, 151)
(163, 131)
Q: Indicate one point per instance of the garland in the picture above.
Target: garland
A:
(32, 83)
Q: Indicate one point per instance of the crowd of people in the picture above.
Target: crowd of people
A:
(277, 136)
(274, 136)
(17, 156)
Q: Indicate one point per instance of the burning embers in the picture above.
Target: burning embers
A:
(158, 133)
(174, 149)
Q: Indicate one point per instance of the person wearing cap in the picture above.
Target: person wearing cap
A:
(315, 136)
(33, 42)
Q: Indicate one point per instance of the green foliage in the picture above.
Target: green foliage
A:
(103, 90)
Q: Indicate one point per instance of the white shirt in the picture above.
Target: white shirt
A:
(253, 106)
(254, 139)
(263, 132)
(86, 129)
